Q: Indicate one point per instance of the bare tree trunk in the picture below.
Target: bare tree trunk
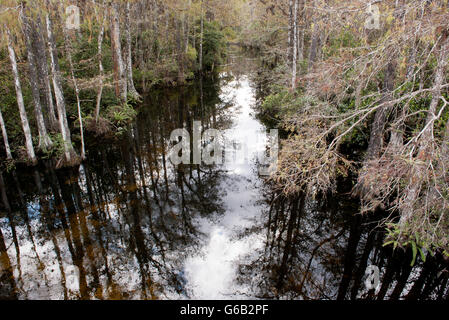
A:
(42, 69)
(427, 139)
(300, 30)
(290, 31)
(155, 16)
(201, 37)
(100, 62)
(380, 118)
(187, 27)
(180, 49)
(445, 146)
(69, 152)
(377, 131)
(5, 137)
(313, 52)
(129, 64)
(77, 92)
(397, 131)
(295, 43)
(45, 142)
(143, 45)
(20, 103)
(119, 67)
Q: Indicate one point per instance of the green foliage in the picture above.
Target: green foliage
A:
(121, 115)
(345, 39)
(398, 237)
(284, 103)
(229, 33)
(214, 44)
(58, 147)
(10, 165)
(191, 55)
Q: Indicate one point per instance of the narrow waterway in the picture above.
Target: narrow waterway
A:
(211, 273)
(129, 224)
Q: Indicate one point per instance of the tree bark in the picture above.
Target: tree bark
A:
(69, 152)
(445, 147)
(77, 92)
(119, 67)
(427, 139)
(290, 31)
(301, 30)
(129, 64)
(187, 27)
(45, 142)
(377, 130)
(295, 43)
(5, 137)
(313, 52)
(201, 37)
(20, 102)
(42, 68)
(100, 62)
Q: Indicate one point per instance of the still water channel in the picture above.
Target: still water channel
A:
(128, 224)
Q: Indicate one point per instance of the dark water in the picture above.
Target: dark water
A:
(128, 224)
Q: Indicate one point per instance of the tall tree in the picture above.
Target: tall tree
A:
(44, 74)
(45, 142)
(129, 64)
(77, 91)
(290, 31)
(301, 29)
(23, 115)
(69, 152)
(201, 37)
(295, 43)
(426, 142)
(119, 67)
(101, 21)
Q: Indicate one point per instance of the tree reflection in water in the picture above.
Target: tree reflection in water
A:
(123, 225)
(123, 219)
(320, 249)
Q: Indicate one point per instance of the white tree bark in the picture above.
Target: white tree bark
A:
(201, 37)
(45, 142)
(300, 30)
(119, 66)
(5, 137)
(295, 43)
(101, 70)
(20, 103)
(290, 31)
(129, 64)
(69, 152)
(77, 92)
